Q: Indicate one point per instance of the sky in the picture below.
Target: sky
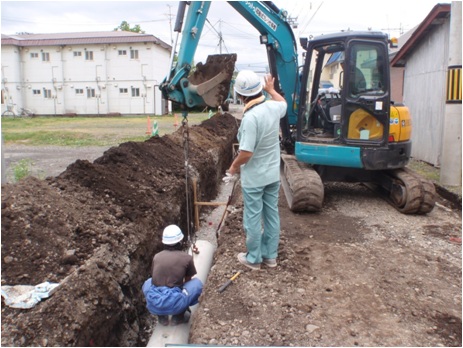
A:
(158, 17)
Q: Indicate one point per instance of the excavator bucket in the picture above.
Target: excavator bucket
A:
(212, 80)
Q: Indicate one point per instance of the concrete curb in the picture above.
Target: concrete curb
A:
(452, 197)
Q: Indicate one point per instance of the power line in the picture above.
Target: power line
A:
(310, 20)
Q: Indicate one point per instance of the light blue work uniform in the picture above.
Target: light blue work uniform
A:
(260, 179)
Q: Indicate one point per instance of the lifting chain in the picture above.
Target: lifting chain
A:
(186, 148)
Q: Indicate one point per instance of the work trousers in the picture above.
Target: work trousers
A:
(165, 301)
(261, 222)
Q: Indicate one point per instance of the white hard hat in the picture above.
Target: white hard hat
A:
(171, 235)
(247, 83)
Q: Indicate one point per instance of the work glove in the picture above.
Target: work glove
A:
(229, 178)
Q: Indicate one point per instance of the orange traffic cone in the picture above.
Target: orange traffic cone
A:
(148, 126)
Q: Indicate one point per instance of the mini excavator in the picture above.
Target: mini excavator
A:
(349, 133)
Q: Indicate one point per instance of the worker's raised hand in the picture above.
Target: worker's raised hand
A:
(269, 83)
(269, 87)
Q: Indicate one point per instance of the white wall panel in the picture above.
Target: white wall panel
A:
(424, 93)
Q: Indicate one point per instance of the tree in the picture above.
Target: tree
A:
(124, 26)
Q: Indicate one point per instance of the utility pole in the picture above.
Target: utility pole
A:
(220, 36)
(170, 24)
(292, 21)
(219, 33)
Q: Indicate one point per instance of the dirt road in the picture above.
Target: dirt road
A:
(359, 273)
(47, 160)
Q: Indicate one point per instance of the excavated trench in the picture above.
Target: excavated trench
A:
(94, 230)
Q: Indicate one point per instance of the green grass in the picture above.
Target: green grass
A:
(89, 131)
(22, 169)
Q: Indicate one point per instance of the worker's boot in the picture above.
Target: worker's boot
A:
(181, 318)
(163, 320)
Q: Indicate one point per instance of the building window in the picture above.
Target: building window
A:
(34, 55)
(88, 55)
(47, 93)
(36, 92)
(122, 52)
(79, 91)
(45, 56)
(91, 93)
(133, 54)
(77, 54)
(135, 92)
(123, 90)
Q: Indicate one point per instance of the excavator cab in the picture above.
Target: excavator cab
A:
(358, 103)
(354, 114)
(352, 132)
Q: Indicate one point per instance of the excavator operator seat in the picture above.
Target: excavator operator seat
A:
(330, 110)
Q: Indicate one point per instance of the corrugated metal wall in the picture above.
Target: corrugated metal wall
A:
(425, 91)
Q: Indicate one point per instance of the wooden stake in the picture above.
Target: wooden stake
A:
(196, 203)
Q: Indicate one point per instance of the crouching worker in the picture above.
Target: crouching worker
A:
(171, 289)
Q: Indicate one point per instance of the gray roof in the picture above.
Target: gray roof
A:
(99, 37)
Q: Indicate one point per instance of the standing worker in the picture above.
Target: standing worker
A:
(171, 289)
(258, 163)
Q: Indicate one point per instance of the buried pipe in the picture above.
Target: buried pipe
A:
(178, 335)
(165, 335)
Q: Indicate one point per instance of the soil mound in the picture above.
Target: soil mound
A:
(94, 229)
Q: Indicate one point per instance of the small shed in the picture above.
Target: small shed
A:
(427, 77)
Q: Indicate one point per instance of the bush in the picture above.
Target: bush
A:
(22, 169)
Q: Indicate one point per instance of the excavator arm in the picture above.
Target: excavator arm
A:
(209, 83)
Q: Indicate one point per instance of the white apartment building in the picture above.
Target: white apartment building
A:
(89, 73)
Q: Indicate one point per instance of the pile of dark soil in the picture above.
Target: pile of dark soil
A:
(95, 228)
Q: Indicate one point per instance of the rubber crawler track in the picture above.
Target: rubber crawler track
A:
(420, 192)
(428, 193)
(302, 185)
